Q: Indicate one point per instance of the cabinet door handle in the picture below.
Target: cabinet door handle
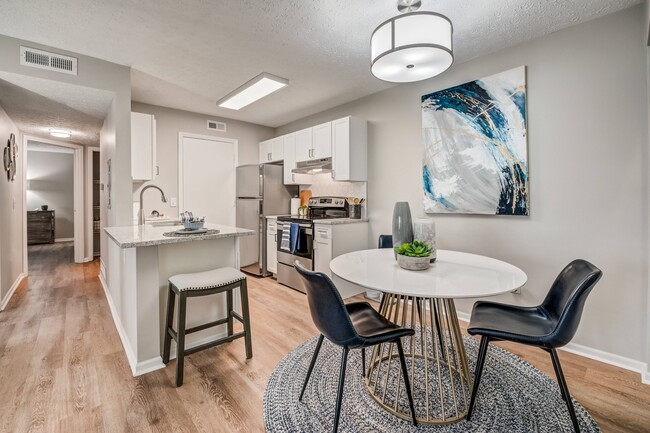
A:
(293, 178)
(276, 237)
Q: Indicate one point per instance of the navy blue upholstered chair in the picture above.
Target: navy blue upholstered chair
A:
(385, 241)
(352, 326)
(550, 325)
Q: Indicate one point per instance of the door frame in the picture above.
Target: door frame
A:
(235, 144)
(77, 192)
(90, 150)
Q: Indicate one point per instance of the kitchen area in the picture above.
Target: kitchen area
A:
(304, 200)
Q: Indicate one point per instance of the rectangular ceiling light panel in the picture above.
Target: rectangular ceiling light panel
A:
(255, 89)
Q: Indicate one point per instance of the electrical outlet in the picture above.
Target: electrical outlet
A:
(172, 202)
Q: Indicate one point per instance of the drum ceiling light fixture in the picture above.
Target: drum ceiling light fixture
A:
(413, 46)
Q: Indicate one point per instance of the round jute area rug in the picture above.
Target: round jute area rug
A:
(514, 397)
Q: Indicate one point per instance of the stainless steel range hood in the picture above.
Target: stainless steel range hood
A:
(315, 166)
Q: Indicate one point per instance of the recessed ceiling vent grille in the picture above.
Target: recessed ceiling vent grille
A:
(213, 125)
(50, 61)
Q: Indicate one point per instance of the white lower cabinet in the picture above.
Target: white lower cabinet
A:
(322, 248)
(271, 246)
(332, 240)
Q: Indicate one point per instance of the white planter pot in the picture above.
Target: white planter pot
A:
(413, 263)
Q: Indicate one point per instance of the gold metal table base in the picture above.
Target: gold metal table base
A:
(435, 356)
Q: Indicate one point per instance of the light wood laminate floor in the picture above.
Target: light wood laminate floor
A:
(63, 369)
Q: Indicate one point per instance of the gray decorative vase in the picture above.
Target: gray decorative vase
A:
(402, 224)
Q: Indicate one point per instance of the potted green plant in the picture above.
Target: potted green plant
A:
(414, 256)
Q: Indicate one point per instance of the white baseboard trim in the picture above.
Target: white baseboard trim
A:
(11, 291)
(64, 240)
(597, 355)
(156, 363)
(102, 271)
(130, 356)
(609, 358)
(148, 366)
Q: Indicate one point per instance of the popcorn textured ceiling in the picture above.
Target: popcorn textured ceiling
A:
(188, 54)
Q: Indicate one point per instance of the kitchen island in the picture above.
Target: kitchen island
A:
(140, 261)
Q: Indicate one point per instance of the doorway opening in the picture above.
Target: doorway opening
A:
(93, 215)
(53, 199)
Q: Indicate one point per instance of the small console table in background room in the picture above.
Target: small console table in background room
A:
(40, 227)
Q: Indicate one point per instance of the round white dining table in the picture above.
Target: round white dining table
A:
(424, 301)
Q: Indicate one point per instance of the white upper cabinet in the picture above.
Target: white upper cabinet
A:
(290, 163)
(271, 150)
(314, 143)
(322, 141)
(143, 146)
(350, 149)
(304, 145)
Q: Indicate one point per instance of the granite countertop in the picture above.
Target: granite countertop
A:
(337, 221)
(150, 235)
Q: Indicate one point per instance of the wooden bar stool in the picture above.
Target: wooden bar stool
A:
(202, 284)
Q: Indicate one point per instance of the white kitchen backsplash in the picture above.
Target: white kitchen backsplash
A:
(322, 184)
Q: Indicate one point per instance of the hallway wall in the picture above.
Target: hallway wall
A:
(11, 221)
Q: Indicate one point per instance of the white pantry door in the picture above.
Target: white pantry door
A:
(206, 177)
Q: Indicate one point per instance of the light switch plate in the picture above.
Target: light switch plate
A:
(172, 201)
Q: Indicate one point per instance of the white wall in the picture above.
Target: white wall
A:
(169, 122)
(587, 141)
(11, 215)
(51, 182)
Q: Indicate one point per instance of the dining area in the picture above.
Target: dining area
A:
(404, 364)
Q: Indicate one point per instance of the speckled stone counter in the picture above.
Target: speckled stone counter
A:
(135, 273)
(149, 235)
(337, 221)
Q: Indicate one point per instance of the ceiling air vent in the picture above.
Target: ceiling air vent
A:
(213, 125)
(50, 61)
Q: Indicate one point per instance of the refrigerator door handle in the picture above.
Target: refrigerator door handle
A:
(261, 184)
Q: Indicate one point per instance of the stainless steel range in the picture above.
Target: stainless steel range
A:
(302, 249)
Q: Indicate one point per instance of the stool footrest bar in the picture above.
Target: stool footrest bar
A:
(214, 343)
(206, 326)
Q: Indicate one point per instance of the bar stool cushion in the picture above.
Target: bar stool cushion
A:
(207, 280)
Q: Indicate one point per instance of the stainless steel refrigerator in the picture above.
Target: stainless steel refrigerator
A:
(260, 192)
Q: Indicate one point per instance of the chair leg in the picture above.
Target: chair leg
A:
(480, 361)
(311, 365)
(171, 300)
(229, 308)
(564, 388)
(248, 339)
(407, 383)
(339, 398)
(180, 342)
(363, 361)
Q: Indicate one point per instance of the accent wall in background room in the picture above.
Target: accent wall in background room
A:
(50, 181)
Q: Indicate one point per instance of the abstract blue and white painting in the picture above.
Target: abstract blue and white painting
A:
(475, 151)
